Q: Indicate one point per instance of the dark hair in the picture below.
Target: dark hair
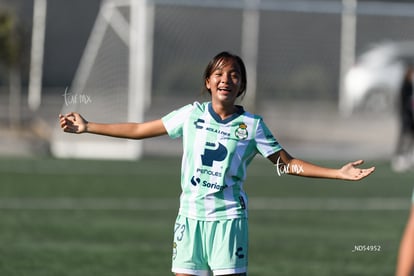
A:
(217, 61)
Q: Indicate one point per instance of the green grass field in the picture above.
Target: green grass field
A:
(82, 217)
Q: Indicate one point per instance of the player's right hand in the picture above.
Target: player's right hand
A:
(73, 123)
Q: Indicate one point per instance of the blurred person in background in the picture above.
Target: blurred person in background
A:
(403, 156)
(405, 261)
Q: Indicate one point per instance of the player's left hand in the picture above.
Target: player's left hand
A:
(351, 171)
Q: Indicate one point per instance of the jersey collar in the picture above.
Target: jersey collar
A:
(240, 111)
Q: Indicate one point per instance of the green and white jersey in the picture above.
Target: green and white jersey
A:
(216, 154)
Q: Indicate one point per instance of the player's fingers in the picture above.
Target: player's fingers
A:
(365, 172)
(70, 115)
(358, 162)
(66, 128)
(370, 170)
(70, 128)
(63, 122)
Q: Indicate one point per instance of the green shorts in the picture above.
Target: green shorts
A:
(203, 246)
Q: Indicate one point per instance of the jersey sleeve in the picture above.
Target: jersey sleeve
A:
(265, 141)
(174, 121)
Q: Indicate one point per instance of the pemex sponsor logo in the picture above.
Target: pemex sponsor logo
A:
(212, 152)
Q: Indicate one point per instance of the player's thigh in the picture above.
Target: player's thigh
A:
(228, 254)
(188, 253)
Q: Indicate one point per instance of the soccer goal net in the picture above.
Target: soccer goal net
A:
(111, 81)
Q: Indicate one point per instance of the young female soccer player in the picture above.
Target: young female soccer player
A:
(220, 140)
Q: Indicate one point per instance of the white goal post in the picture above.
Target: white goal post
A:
(113, 81)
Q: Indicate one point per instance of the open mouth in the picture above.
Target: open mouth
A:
(224, 89)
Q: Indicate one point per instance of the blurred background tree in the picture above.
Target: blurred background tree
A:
(12, 59)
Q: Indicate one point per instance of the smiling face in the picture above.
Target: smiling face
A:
(224, 82)
(225, 78)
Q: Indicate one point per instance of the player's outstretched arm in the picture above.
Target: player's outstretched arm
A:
(74, 123)
(287, 164)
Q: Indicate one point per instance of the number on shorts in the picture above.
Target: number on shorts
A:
(179, 231)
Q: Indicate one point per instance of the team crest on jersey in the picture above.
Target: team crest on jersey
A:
(241, 131)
